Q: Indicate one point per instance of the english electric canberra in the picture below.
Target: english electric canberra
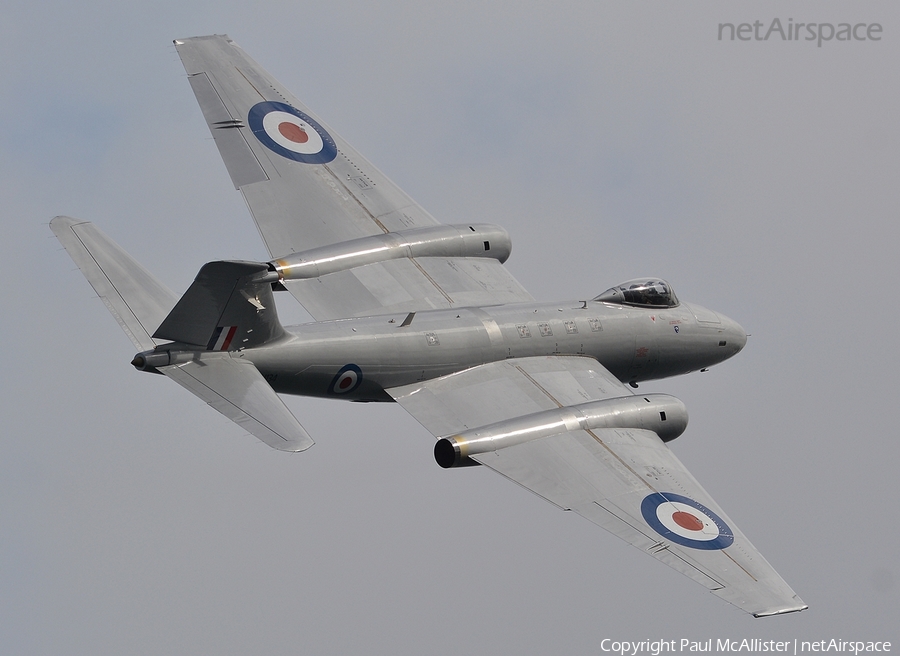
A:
(410, 310)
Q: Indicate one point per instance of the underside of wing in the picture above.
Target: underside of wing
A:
(307, 188)
(566, 429)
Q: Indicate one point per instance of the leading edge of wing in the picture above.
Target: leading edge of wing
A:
(620, 476)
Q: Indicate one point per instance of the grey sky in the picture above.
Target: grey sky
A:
(612, 140)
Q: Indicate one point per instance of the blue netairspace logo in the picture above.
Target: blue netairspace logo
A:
(291, 133)
(683, 521)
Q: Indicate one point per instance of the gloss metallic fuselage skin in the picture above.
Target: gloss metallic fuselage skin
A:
(635, 344)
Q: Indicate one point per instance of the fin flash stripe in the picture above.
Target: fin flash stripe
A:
(221, 338)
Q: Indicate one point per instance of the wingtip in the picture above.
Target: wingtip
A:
(181, 42)
(298, 446)
(61, 223)
(63, 219)
(781, 611)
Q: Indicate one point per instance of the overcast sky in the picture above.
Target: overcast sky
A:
(612, 140)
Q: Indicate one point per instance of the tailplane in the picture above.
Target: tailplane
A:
(235, 388)
(137, 300)
(229, 306)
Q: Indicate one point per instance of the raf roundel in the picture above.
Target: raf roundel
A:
(346, 380)
(683, 521)
(291, 133)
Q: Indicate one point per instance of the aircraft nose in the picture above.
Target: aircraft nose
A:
(736, 335)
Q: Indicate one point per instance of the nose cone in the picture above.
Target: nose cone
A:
(724, 337)
(735, 336)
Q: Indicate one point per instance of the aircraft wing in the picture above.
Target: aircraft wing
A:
(623, 479)
(307, 188)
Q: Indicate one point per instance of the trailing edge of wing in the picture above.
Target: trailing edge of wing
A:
(237, 390)
(137, 300)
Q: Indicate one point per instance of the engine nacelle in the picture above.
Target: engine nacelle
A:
(663, 414)
(476, 240)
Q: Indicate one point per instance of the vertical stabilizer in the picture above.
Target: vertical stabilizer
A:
(228, 306)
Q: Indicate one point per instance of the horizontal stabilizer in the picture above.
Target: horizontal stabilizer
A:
(237, 390)
(137, 300)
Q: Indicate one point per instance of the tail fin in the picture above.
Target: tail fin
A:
(228, 306)
(137, 300)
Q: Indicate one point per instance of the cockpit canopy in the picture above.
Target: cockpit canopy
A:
(643, 292)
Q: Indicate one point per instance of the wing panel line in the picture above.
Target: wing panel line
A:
(725, 551)
(539, 386)
(353, 195)
(619, 458)
(430, 279)
(252, 86)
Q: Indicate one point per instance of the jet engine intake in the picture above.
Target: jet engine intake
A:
(661, 413)
(475, 240)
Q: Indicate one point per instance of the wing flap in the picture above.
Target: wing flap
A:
(237, 390)
(624, 479)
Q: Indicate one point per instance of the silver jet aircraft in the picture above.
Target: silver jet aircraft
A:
(410, 310)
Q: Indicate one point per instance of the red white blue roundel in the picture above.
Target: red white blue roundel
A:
(684, 521)
(346, 380)
(291, 133)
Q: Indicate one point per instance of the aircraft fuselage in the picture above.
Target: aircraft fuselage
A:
(357, 359)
